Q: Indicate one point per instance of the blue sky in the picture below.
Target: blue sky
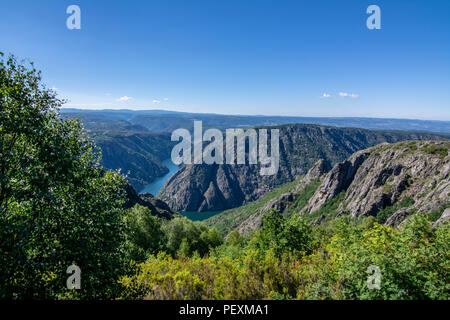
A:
(240, 57)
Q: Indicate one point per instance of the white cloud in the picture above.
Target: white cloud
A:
(166, 99)
(156, 101)
(326, 95)
(125, 98)
(349, 95)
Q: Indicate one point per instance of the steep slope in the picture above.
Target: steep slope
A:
(137, 154)
(287, 199)
(219, 187)
(126, 146)
(156, 206)
(388, 181)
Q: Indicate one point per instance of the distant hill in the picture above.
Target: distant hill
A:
(167, 121)
(138, 141)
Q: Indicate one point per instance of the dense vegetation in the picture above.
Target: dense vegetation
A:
(149, 235)
(287, 259)
(230, 219)
(59, 207)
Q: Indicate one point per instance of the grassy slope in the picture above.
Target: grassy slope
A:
(230, 219)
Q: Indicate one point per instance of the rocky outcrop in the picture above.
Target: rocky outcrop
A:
(157, 207)
(445, 217)
(282, 203)
(218, 187)
(337, 180)
(398, 217)
(389, 181)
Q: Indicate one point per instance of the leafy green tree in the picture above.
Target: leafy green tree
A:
(211, 237)
(413, 262)
(144, 234)
(194, 236)
(57, 206)
(234, 238)
(283, 235)
(184, 248)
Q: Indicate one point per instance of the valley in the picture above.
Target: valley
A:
(390, 182)
(145, 157)
(216, 187)
(194, 151)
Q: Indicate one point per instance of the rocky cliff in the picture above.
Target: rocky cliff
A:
(390, 182)
(219, 187)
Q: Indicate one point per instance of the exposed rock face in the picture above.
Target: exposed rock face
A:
(337, 180)
(219, 187)
(397, 218)
(445, 217)
(412, 177)
(283, 202)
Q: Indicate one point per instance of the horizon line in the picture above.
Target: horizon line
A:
(255, 115)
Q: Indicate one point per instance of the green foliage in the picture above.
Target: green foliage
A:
(303, 198)
(57, 206)
(414, 264)
(234, 238)
(436, 214)
(184, 237)
(144, 234)
(233, 247)
(247, 277)
(228, 220)
(283, 236)
(441, 151)
(329, 209)
(148, 235)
